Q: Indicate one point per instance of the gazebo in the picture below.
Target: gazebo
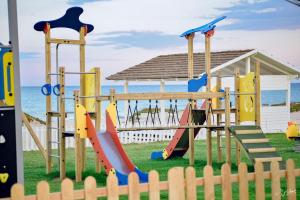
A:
(275, 76)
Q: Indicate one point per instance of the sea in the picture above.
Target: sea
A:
(34, 102)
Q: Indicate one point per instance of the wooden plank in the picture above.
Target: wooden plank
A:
(271, 159)
(43, 191)
(291, 180)
(237, 111)
(262, 150)
(112, 187)
(90, 186)
(191, 137)
(219, 118)
(17, 192)
(164, 96)
(67, 192)
(48, 100)
(209, 188)
(62, 125)
(243, 181)
(34, 136)
(226, 182)
(82, 87)
(255, 131)
(77, 148)
(275, 179)
(66, 41)
(133, 186)
(259, 140)
(154, 192)
(98, 108)
(190, 39)
(190, 182)
(227, 125)
(259, 181)
(257, 93)
(176, 183)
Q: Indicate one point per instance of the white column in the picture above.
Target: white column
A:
(288, 98)
(162, 104)
(248, 65)
(125, 102)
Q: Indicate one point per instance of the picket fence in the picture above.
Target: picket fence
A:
(180, 185)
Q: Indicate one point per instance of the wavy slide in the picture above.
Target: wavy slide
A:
(111, 153)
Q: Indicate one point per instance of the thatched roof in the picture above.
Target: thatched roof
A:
(174, 66)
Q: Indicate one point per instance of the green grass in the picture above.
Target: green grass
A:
(140, 153)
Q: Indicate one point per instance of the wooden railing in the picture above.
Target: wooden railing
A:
(180, 185)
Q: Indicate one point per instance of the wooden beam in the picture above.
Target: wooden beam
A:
(34, 136)
(271, 159)
(170, 127)
(219, 118)
(237, 106)
(227, 125)
(48, 100)
(252, 141)
(78, 146)
(62, 124)
(82, 86)
(98, 109)
(66, 41)
(164, 96)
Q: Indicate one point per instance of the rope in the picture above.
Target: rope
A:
(136, 112)
(156, 112)
(129, 111)
(149, 113)
(118, 113)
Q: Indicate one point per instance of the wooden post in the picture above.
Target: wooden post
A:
(190, 39)
(208, 103)
(162, 103)
(82, 85)
(257, 93)
(219, 118)
(227, 124)
(237, 110)
(78, 145)
(48, 100)
(62, 122)
(97, 111)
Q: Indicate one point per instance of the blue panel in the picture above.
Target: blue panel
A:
(123, 179)
(156, 155)
(69, 20)
(195, 84)
(3, 50)
(205, 28)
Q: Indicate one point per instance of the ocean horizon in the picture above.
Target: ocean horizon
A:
(33, 101)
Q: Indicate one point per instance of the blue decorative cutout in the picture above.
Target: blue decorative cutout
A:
(69, 20)
(203, 29)
(195, 84)
(46, 89)
(56, 89)
(156, 155)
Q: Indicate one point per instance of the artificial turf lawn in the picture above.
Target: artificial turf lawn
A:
(140, 154)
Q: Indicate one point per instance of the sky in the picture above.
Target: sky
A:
(128, 32)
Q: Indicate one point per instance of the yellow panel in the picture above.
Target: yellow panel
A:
(214, 100)
(247, 102)
(90, 91)
(111, 109)
(9, 84)
(81, 121)
(3, 177)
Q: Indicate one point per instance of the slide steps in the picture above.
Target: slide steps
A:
(256, 145)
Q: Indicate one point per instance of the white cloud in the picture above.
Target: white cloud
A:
(266, 10)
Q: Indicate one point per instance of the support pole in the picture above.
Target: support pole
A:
(97, 111)
(62, 123)
(14, 39)
(48, 100)
(190, 39)
(227, 124)
(78, 145)
(208, 103)
(82, 85)
(237, 110)
(257, 93)
(219, 118)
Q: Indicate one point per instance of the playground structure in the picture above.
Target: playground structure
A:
(107, 147)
